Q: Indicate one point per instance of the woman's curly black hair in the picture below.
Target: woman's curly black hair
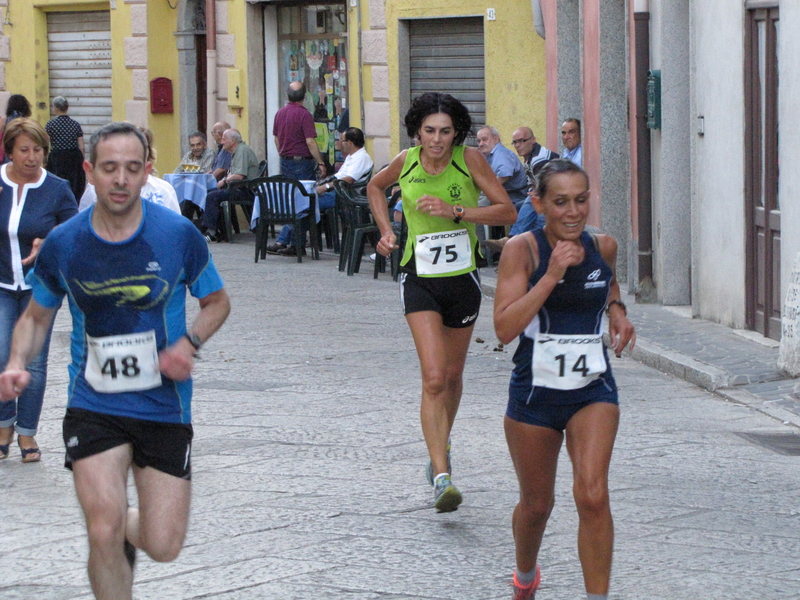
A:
(431, 103)
(17, 103)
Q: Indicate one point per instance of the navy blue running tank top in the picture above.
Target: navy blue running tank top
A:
(574, 307)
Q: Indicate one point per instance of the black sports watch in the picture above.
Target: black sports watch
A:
(194, 340)
(621, 305)
(458, 212)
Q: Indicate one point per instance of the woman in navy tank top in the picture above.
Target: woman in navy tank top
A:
(553, 286)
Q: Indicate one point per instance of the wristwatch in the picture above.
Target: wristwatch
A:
(621, 305)
(194, 340)
(458, 213)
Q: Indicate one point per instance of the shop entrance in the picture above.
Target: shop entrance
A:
(312, 48)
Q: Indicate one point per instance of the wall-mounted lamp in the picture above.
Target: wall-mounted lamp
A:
(7, 20)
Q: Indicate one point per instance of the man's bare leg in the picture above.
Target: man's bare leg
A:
(101, 485)
(159, 525)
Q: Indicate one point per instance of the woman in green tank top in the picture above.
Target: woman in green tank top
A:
(440, 180)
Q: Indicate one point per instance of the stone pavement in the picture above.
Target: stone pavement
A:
(308, 469)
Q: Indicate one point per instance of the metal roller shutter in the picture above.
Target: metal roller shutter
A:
(79, 52)
(447, 55)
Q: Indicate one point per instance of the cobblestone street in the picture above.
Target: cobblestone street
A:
(308, 469)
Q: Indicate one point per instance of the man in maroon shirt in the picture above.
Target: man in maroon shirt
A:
(295, 137)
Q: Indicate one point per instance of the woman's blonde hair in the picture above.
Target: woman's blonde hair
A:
(25, 126)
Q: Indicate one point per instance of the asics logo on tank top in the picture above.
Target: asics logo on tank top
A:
(416, 180)
(593, 283)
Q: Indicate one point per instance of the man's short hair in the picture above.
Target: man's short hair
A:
(492, 130)
(112, 129)
(235, 136)
(61, 103)
(297, 95)
(199, 134)
(354, 135)
(574, 120)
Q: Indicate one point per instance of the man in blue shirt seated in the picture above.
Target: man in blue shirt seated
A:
(534, 157)
(505, 164)
(222, 159)
(125, 265)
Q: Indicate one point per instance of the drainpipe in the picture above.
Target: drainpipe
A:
(538, 19)
(645, 291)
(211, 65)
(360, 67)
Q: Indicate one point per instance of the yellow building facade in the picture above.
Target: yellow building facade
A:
(118, 60)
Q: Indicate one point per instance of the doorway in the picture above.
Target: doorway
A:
(762, 210)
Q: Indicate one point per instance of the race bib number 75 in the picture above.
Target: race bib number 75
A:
(443, 252)
(567, 362)
(123, 363)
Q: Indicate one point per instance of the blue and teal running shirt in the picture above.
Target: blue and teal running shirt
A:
(122, 288)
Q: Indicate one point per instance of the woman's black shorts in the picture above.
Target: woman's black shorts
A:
(456, 298)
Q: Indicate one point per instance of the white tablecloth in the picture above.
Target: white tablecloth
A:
(192, 186)
(300, 203)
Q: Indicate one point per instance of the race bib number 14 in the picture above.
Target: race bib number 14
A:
(123, 363)
(567, 362)
(444, 252)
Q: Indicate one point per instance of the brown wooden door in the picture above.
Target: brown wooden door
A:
(200, 80)
(763, 214)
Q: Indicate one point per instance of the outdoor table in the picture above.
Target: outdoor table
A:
(192, 186)
(300, 203)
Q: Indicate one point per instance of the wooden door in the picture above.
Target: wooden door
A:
(763, 214)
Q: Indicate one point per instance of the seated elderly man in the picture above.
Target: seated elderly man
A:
(356, 168)
(534, 157)
(199, 158)
(508, 168)
(244, 165)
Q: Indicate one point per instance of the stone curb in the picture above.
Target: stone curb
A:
(677, 364)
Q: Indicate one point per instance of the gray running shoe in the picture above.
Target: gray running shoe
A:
(446, 496)
(429, 467)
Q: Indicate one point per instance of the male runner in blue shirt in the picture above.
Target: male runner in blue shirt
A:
(125, 266)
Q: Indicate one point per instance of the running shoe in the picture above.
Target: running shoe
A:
(429, 466)
(446, 496)
(527, 592)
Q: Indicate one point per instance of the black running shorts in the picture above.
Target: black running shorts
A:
(166, 447)
(457, 298)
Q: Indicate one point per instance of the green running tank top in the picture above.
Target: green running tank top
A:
(454, 185)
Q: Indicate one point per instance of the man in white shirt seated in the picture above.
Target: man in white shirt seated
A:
(199, 158)
(154, 190)
(357, 168)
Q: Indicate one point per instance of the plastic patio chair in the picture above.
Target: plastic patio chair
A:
(356, 225)
(276, 197)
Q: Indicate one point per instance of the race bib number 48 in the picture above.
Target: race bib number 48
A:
(567, 362)
(123, 363)
(445, 252)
